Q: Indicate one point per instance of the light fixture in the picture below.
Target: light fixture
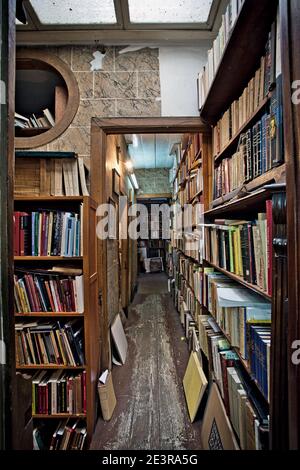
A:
(135, 141)
(134, 181)
(129, 166)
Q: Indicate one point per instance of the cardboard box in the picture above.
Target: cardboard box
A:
(107, 397)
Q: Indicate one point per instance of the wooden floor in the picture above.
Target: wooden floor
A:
(151, 410)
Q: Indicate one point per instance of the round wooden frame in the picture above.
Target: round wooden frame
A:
(49, 60)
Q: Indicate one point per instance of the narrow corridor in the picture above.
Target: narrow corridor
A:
(151, 411)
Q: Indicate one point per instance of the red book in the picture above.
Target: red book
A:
(269, 210)
(225, 363)
(17, 216)
(50, 296)
(36, 300)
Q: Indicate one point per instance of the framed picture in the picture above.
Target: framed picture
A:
(116, 182)
(113, 227)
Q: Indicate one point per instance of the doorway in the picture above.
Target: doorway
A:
(152, 313)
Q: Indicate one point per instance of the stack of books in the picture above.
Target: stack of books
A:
(43, 122)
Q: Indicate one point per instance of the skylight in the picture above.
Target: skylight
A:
(169, 11)
(75, 11)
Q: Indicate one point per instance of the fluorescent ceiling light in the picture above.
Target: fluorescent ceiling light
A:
(75, 11)
(134, 181)
(135, 140)
(169, 11)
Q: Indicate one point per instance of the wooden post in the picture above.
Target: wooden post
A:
(7, 355)
(290, 37)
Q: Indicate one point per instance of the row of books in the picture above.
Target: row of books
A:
(243, 248)
(45, 121)
(47, 291)
(62, 176)
(58, 392)
(259, 150)
(186, 158)
(248, 417)
(69, 434)
(192, 187)
(237, 310)
(260, 350)
(49, 343)
(243, 108)
(214, 55)
(190, 244)
(48, 233)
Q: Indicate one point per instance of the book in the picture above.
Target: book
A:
(194, 385)
(107, 395)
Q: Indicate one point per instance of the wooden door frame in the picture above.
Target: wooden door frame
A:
(7, 358)
(100, 129)
(290, 33)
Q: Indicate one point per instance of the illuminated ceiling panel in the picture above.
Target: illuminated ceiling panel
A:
(56, 12)
(169, 11)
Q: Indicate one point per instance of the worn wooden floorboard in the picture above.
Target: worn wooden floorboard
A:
(151, 411)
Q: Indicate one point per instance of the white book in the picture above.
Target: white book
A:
(75, 179)
(84, 189)
(49, 116)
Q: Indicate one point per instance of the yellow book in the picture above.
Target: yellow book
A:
(194, 384)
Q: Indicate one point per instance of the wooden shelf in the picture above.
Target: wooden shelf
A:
(48, 258)
(239, 60)
(50, 314)
(33, 198)
(49, 366)
(227, 150)
(252, 201)
(276, 175)
(189, 257)
(240, 280)
(30, 131)
(59, 416)
(199, 193)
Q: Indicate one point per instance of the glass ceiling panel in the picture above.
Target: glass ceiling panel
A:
(75, 11)
(169, 11)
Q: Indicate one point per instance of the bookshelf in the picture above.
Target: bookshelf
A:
(155, 246)
(258, 202)
(42, 117)
(67, 352)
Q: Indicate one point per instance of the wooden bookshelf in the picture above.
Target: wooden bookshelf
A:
(30, 132)
(50, 198)
(249, 203)
(49, 314)
(276, 175)
(240, 58)
(38, 259)
(49, 367)
(90, 317)
(59, 416)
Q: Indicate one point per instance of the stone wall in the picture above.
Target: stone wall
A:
(154, 180)
(128, 85)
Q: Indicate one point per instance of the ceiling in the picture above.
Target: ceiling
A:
(151, 150)
(119, 21)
